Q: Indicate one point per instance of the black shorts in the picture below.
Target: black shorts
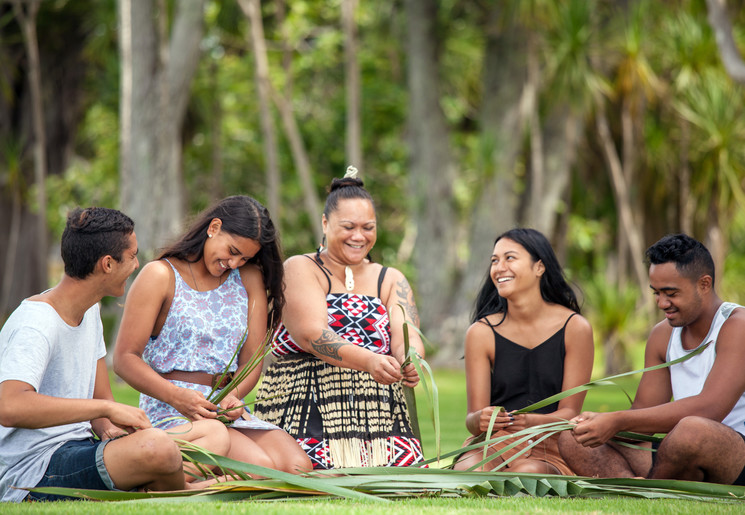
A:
(741, 478)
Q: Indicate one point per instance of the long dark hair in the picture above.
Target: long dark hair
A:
(553, 284)
(241, 216)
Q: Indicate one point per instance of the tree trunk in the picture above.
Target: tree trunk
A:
(685, 199)
(216, 175)
(252, 10)
(631, 227)
(503, 124)
(537, 164)
(352, 83)
(294, 137)
(156, 76)
(27, 21)
(9, 272)
(62, 69)
(302, 163)
(431, 173)
(722, 27)
(561, 137)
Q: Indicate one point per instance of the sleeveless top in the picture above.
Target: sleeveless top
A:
(359, 319)
(202, 328)
(522, 376)
(201, 333)
(688, 378)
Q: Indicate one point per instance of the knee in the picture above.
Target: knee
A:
(529, 466)
(216, 436)
(567, 444)
(684, 440)
(299, 462)
(159, 452)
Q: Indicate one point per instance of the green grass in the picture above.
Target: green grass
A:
(451, 386)
(466, 506)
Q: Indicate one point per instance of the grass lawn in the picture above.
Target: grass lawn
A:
(451, 388)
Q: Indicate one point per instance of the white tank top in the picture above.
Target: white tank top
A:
(688, 377)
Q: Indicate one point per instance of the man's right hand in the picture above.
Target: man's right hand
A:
(127, 417)
(594, 429)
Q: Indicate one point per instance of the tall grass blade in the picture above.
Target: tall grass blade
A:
(409, 394)
(434, 399)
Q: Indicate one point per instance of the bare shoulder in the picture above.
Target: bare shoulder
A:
(578, 324)
(394, 275)
(299, 263)
(658, 339)
(737, 317)
(478, 335)
(303, 276)
(395, 283)
(730, 335)
(156, 274)
(251, 275)
(299, 260)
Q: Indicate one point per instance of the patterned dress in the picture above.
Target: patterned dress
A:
(201, 333)
(339, 416)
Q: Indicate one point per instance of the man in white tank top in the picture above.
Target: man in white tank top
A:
(705, 421)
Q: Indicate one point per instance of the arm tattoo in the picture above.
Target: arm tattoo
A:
(406, 298)
(328, 345)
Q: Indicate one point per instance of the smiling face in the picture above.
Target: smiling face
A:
(121, 270)
(513, 269)
(351, 231)
(679, 297)
(224, 251)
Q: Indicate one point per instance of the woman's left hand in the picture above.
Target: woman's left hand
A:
(517, 422)
(233, 407)
(411, 376)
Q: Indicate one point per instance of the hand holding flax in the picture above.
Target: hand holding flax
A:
(192, 404)
(126, 417)
(502, 420)
(595, 429)
(105, 429)
(384, 369)
(232, 407)
(410, 375)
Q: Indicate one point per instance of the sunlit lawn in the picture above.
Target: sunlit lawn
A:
(452, 394)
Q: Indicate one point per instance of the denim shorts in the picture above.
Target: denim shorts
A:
(77, 464)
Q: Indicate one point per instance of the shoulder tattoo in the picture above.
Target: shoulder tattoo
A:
(406, 299)
(328, 344)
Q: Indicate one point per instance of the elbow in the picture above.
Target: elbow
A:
(304, 338)
(116, 366)
(119, 365)
(9, 416)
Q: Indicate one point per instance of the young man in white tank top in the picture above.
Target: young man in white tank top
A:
(705, 421)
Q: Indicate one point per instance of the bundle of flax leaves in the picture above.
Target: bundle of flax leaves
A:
(383, 484)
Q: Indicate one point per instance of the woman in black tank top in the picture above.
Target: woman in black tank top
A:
(527, 342)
